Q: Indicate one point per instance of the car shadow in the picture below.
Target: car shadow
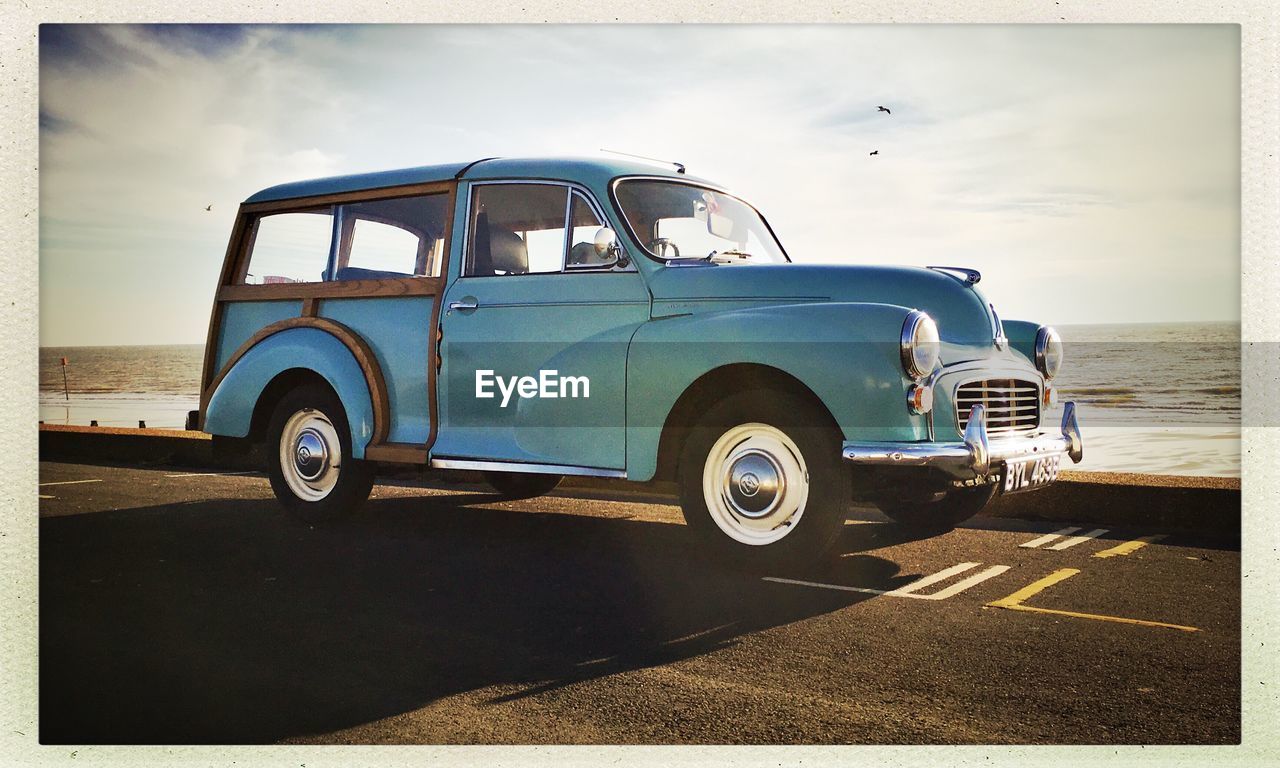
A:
(223, 621)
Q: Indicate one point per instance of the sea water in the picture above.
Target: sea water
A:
(1159, 398)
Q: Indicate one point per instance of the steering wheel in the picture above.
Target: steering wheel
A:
(659, 245)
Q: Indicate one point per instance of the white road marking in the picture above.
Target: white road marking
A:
(46, 496)
(820, 585)
(1074, 540)
(964, 584)
(69, 482)
(921, 583)
(1048, 537)
(912, 590)
(213, 474)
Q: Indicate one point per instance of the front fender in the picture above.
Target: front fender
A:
(1022, 337)
(847, 353)
(230, 409)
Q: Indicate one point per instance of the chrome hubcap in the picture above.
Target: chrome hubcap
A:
(310, 456)
(755, 483)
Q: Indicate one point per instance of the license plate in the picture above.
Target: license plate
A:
(1030, 473)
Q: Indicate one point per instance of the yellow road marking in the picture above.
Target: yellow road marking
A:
(1012, 601)
(1129, 547)
(1015, 601)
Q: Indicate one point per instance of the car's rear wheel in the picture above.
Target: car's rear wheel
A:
(942, 515)
(309, 460)
(521, 485)
(761, 481)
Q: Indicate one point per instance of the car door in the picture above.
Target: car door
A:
(535, 329)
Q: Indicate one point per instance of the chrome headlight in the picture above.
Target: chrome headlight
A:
(1048, 351)
(919, 344)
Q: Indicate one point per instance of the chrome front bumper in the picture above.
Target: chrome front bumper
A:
(975, 455)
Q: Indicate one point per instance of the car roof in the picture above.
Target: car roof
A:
(593, 171)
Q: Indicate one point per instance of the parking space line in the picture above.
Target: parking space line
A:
(964, 584)
(1048, 537)
(925, 581)
(821, 585)
(1031, 589)
(1015, 602)
(912, 590)
(69, 482)
(1129, 547)
(1074, 540)
(213, 474)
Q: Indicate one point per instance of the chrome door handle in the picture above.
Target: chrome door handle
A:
(465, 304)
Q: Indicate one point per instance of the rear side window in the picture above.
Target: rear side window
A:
(369, 240)
(400, 237)
(379, 246)
(290, 247)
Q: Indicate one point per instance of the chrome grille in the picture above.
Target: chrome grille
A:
(1011, 405)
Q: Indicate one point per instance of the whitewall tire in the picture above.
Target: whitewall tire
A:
(762, 482)
(309, 456)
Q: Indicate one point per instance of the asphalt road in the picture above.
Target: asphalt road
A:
(178, 607)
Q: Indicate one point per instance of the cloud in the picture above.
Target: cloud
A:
(1035, 154)
(51, 124)
(208, 40)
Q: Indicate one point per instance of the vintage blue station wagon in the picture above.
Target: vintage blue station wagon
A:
(538, 318)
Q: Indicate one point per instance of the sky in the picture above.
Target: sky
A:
(1091, 173)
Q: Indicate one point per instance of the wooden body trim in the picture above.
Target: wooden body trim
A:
(207, 373)
(351, 340)
(434, 328)
(355, 196)
(397, 453)
(338, 289)
(231, 288)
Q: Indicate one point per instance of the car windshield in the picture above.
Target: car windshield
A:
(675, 220)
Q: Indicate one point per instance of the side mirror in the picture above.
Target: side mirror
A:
(608, 247)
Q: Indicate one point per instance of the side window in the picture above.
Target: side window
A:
(290, 247)
(516, 229)
(376, 246)
(584, 223)
(400, 237)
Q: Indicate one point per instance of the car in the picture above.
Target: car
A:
(532, 319)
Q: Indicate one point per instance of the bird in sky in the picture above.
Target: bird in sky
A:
(209, 207)
(883, 109)
(874, 152)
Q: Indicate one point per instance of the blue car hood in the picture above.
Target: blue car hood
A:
(962, 314)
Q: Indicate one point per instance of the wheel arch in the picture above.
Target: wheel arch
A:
(715, 385)
(285, 382)
(265, 370)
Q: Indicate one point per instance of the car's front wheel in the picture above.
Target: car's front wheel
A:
(309, 459)
(761, 480)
